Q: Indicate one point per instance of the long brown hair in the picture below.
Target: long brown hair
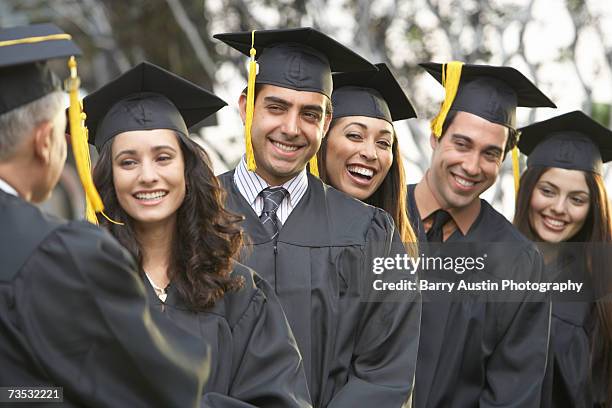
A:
(206, 238)
(390, 195)
(597, 229)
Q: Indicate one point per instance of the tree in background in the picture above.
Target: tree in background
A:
(565, 47)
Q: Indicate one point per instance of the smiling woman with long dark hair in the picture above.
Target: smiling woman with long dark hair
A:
(165, 205)
(562, 204)
(360, 154)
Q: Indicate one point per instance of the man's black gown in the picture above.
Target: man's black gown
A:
(254, 358)
(74, 314)
(484, 353)
(356, 354)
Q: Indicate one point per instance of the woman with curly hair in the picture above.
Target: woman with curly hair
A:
(562, 204)
(159, 185)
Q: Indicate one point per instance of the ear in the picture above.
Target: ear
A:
(434, 141)
(43, 134)
(242, 107)
(326, 122)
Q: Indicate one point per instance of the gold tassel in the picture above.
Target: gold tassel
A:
(516, 170)
(314, 166)
(250, 106)
(451, 75)
(80, 147)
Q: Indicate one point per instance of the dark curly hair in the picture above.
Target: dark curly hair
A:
(207, 235)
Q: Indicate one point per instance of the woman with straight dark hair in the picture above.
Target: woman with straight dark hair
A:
(562, 204)
(360, 154)
(159, 185)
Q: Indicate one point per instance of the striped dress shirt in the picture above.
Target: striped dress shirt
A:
(250, 184)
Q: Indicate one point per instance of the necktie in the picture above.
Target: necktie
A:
(435, 233)
(272, 196)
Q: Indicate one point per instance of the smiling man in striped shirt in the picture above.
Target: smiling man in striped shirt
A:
(312, 243)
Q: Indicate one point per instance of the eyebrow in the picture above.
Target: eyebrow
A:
(154, 148)
(571, 192)
(488, 148)
(361, 125)
(365, 127)
(280, 101)
(275, 99)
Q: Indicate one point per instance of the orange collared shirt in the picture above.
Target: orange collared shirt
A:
(427, 204)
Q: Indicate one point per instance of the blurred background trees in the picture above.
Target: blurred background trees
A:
(564, 46)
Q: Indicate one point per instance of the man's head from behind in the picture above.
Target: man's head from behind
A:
(32, 117)
(33, 146)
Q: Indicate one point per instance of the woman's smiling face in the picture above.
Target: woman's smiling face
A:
(359, 154)
(149, 174)
(559, 204)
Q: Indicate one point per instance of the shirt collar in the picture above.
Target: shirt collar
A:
(260, 184)
(427, 204)
(7, 188)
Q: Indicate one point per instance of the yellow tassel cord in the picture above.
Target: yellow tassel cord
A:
(80, 148)
(314, 166)
(516, 171)
(32, 40)
(250, 106)
(451, 75)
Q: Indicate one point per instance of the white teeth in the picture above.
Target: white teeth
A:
(151, 196)
(285, 147)
(555, 223)
(464, 182)
(361, 170)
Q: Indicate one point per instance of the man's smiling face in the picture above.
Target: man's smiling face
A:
(466, 159)
(287, 130)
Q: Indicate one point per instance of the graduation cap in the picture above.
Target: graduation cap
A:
(144, 98)
(572, 141)
(490, 92)
(301, 59)
(375, 94)
(24, 73)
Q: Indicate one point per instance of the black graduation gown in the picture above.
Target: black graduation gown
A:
(74, 314)
(484, 354)
(255, 361)
(569, 374)
(356, 354)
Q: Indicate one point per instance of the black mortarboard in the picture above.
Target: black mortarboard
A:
(375, 94)
(24, 74)
(302, 59)
(571, 141)
(144, 98)
(492, 92)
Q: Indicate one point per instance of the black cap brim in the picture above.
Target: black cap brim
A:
(24, 73)
(301, 59)
(36, 51)
(528, 95)
(340, 57)
(193, 103)
(349, 85)
(571, 141)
